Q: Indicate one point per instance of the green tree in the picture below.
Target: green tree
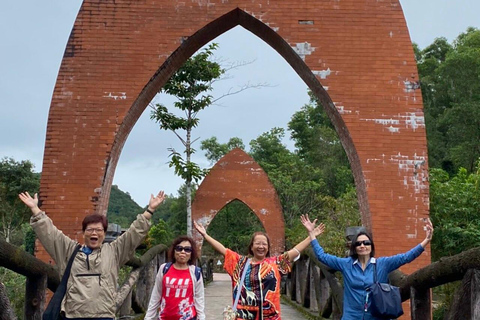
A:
(302, 190)
(318, 145)
(15, 177)
(234, 225)
(449, 76)
(160, 233)
(455, 211)
(190, 85)
(214, 150)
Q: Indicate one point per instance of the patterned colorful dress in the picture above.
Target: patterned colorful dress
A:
(261, 285)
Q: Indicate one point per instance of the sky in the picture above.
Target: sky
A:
(33, 36)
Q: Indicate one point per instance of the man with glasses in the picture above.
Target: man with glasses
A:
(92, 285)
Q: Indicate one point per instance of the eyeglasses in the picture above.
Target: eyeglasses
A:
(91, 230)
(186, 249)
(364, 242)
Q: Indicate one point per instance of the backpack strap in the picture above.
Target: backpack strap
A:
(198, 272)
(166, 267)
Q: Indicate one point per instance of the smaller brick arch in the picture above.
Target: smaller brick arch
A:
(236, 176)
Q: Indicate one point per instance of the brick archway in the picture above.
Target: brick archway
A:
(120, 53)
(236, 176)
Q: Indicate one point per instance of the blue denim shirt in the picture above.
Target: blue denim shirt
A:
(356, 281)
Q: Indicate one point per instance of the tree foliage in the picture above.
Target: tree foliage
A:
(234, 225)
(15, 177)
(214, 150)
(191, 85)
(319, 146)
(450, 81)
(455, 211)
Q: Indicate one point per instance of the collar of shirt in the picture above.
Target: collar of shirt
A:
(372, 260)
(87, 250)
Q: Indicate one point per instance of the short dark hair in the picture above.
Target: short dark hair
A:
(353, 249)
(176, 242)
(94, 218)
(258, 233)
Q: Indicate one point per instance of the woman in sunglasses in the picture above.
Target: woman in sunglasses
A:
(178, 293)
(358, 269)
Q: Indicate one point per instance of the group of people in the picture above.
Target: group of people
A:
(178, 293)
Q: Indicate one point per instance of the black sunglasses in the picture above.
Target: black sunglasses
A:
(186, 249)
(364, 242)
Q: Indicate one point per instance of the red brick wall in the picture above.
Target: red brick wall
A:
(236, 176)
(121, 52)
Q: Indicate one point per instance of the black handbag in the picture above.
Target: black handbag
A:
(386, 301)
(52, 312)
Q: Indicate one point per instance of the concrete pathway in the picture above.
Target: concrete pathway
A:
(218, 296)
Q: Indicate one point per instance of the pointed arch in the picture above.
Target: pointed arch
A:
(360, 51)
(237, 176)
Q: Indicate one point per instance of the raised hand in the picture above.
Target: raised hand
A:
(200, 228)
(28, 200)
(156, 201)
(309, 225)
(428, 229)
(319, 229)
(429, 232)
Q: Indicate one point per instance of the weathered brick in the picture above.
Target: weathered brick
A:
(363, 54)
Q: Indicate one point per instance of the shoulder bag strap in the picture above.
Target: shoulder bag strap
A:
(240, 284)
(375, 272)
(53, 309)
(66, 273)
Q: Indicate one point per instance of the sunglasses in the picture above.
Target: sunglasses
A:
(364, 242)
(186, 249)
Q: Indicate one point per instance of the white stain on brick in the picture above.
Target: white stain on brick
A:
(341, 109)
(246, 162)
(303, 49)
(201, 3)
(393, 129)
(414, 121)
(116, 95)
(413, 169)
(393, 124)
(374, 160)
(411, 86)
(323, 74)
(260, 17)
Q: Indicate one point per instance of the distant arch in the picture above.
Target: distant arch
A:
(237, 176)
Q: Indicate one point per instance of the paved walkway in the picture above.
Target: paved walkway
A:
(218, 295)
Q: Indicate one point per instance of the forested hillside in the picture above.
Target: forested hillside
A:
(122, 209)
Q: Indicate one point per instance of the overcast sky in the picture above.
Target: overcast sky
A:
(33, 35)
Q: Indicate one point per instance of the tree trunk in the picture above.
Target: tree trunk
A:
(126, 288)
(337, 289)
(19, 261)
(420, 303)
(189, 179)
(6, 312)
(447, 269)
(35, 297)
(466, 304)
(189, 208)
